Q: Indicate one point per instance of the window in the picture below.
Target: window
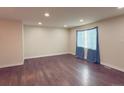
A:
(87, 39)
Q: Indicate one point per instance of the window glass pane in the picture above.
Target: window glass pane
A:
(87, 39)
(91, 39)
(80, 39)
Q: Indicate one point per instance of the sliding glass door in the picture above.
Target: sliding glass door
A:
(87, 45)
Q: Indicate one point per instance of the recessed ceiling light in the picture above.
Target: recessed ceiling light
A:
(39, 23)
(81, 20)
(120, 7)
(65, 25)
(46, 14)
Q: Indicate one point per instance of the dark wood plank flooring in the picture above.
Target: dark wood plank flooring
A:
(62, 70)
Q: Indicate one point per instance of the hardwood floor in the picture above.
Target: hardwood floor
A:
(63, 70)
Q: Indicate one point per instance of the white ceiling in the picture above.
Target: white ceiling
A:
(59, 16)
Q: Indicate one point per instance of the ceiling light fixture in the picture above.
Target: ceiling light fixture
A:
(46, 14)
(39, 23)
(81, 20)
(65, 25)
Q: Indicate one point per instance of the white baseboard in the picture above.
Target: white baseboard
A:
(11, 65)
(72, 53)
(53, 54)
(113, 66)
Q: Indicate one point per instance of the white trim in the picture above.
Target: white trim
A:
(71, 53)
(11, 65)
(53, 54)
(113, 66)
(23, 41)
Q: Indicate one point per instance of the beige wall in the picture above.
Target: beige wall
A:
(40, 41)
(10, 43)
(111, 39)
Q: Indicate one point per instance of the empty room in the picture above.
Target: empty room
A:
(61, 46)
